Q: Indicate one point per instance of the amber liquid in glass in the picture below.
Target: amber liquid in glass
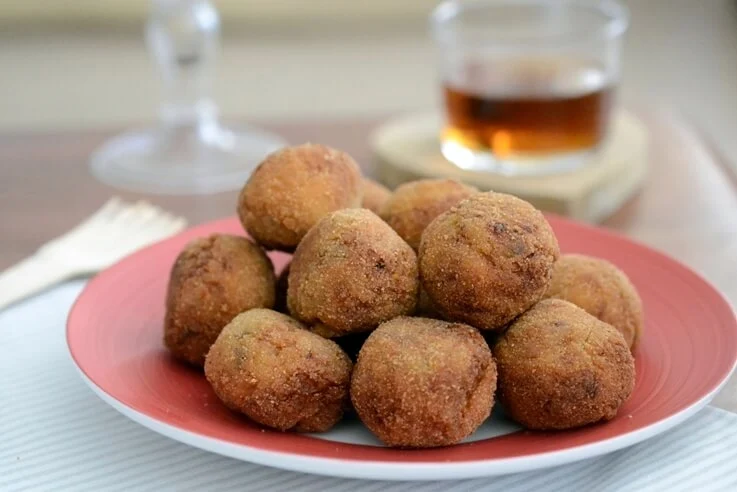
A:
(530, 109)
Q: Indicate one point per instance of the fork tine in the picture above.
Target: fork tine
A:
(149, 234)
(135, 215)
(103, 213)
(173, 226)
(145, 223)
(169, 222)
(114, 226)
(178, 224)
(156, 215)
(109, 208)
(149, 223)
(161, 227)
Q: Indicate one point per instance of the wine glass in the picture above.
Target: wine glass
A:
(189, 151)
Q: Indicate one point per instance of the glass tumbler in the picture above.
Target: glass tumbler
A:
(528, 85)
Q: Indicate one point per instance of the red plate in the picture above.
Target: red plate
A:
(115, 337)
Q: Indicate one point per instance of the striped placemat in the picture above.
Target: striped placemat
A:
(55, 434)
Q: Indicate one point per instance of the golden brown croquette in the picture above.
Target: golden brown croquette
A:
(602, 290)
(295, 187)
(559, 367)
(421, 382)
(375, 195)
(351, 273)
(212, 280)
(487, 260)
(414, 205)
(267, 366)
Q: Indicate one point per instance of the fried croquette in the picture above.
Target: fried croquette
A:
(375, 195)
(487, 260)
(414, 205)
(350, 273)
(421, 382)
(602, 290)
(213, 279)
(559, 367)
(269, 367)
(292, 189)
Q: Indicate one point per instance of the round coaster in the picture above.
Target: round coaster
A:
(408, 148)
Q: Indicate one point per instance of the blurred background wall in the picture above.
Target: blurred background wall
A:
(83, 63)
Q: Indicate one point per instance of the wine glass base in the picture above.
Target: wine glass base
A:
(207, 159)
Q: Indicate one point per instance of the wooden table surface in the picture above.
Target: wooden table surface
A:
(688, 207)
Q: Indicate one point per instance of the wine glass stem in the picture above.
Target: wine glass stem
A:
(183, 37)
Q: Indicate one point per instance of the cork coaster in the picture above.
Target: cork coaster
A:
(408, 148)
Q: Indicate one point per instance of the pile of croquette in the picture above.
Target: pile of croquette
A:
(416, 309)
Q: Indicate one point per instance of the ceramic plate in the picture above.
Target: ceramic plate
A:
(687, 353)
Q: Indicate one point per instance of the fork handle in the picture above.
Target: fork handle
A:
(29, 277)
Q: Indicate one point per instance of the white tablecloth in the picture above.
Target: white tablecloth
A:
(55, 434)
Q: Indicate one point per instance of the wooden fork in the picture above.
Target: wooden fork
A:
(113, 232)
